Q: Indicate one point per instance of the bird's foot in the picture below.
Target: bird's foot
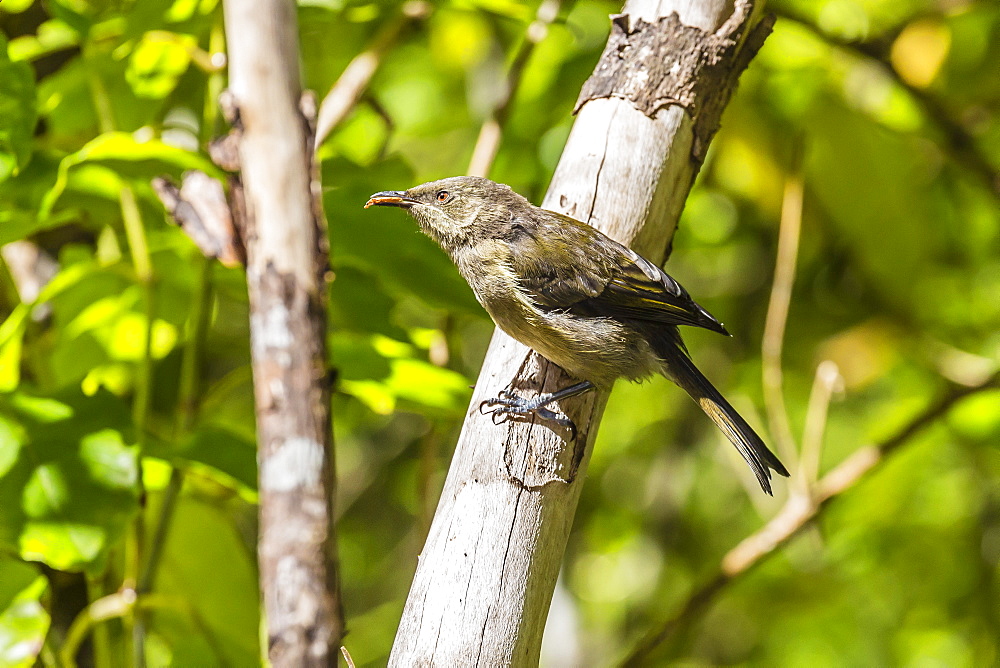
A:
(509, 405)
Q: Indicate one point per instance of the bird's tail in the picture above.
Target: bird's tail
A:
(683, 372)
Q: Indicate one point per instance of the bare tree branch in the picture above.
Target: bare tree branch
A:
(488, 569)
(285, 236)
(826, 381)
(798, 512)
(773, 340)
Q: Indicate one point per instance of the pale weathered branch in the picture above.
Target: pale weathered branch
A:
(798, 512)
(773, 340)
(286, 246)
(826, 381)
(486, 575)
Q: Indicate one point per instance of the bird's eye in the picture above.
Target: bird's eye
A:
(443, 196)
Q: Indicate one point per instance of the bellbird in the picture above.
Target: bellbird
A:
(577, 297)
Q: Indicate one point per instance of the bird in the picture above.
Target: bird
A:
(580, 299)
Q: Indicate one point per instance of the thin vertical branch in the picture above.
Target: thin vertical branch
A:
(777, 317)
(215, 83)
(353, 81)
(826, 381)
(186, 411)
(135, 234)
(101, 641)
(287, 250)
(491, 132)
(190, 374)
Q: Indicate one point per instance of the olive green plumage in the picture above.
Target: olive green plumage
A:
(576, 296)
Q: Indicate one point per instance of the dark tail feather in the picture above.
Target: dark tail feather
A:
(687, 376)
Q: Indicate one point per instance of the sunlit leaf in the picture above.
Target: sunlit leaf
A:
(129, 157)
(16, 6)
(11, 336)
(52, 36)
(383, 373)
(24, 620)
(157, 63)
(71, 486)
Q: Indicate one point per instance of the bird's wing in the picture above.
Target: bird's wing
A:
(568, 265)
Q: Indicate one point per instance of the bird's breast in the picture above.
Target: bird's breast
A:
(595, 349)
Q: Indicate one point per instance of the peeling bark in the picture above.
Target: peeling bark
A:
(202, 211)
(663, 63)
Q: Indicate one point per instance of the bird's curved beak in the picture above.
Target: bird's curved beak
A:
(391, 198)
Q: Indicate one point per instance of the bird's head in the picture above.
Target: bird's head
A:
(456, 211)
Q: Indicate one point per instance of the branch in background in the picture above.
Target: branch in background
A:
(797, 513)
(959, 142)
(490, 134)
(355, 78)
(287, 254)
(826, 382)
(199, 205)
(31, 268)
(120, 605)
(777, 314)
(187, 409)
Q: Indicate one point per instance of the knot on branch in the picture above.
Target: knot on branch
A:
(655, 65)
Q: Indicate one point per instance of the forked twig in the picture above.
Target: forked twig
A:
(798, 512)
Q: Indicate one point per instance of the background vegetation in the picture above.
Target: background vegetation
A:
(885, 110)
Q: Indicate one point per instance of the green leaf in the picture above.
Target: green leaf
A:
(129, 158)
(224, 451)
(68, 480)
(11, 340)
(17, 113)
(382, 373)
(157, 63)
(206, 559)
(52, 36)
(24, 621)
(21, 195)
(75, 13)
(358, 302)
(16, 6)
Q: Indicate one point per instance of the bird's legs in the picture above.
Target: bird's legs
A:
(508, 403)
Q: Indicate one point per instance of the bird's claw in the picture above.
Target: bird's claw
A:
(507, 405)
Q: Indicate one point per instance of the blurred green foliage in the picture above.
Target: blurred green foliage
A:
(895, 107)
